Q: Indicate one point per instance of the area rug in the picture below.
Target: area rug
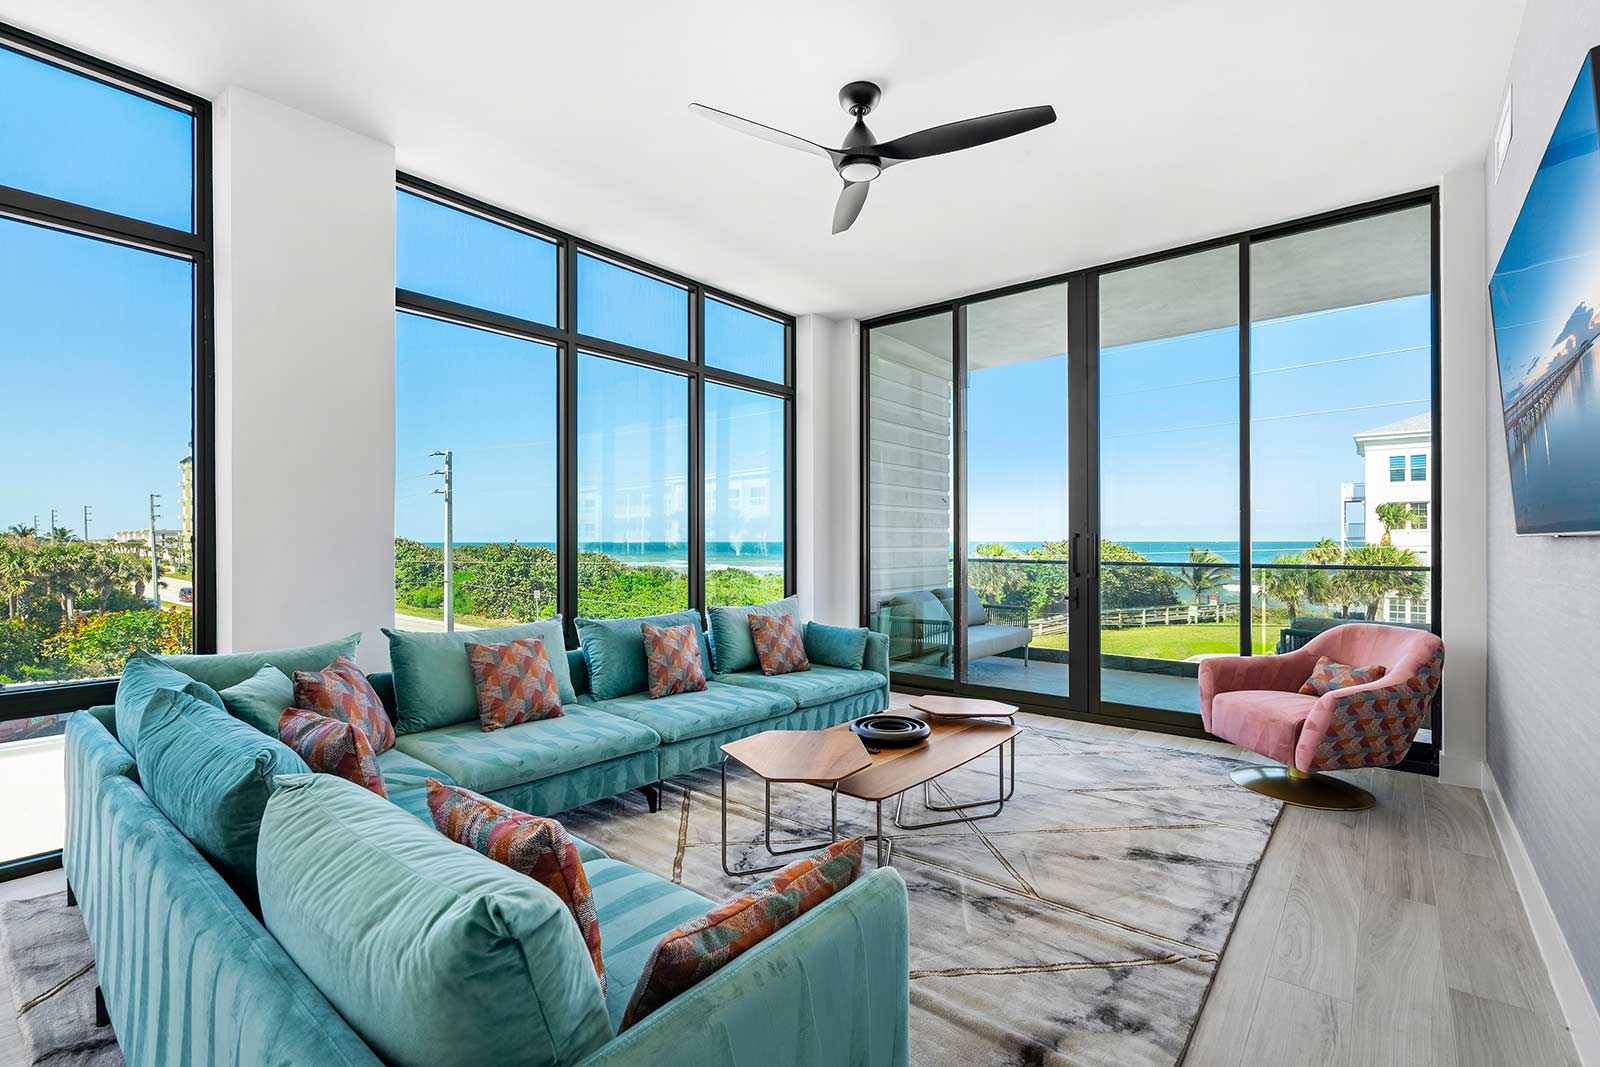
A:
(1082, 926)
(50, 969)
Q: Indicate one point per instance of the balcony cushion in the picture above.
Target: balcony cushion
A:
(977, 614)
(143, 677)
(230, 668)
(580, 737)
(992, 638)
(731, 643)
(613, 650)
(1262, 720)
(819, 685)
(685, 715)
(635, 909)
(435, 954)
(433, 682)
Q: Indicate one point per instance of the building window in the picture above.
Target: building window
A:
(103, 516)
(1419, 468)
(562, 384)
(1397, 468)
(1419, 515)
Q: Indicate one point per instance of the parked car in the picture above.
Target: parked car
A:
(186, 594)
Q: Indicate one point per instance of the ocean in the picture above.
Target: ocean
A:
(762, 557)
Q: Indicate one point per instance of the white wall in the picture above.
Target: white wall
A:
(305, 262)
(828, 493)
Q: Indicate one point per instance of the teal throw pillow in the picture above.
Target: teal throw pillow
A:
(730, 632)
(613, 650)
(433, 683)
(143, 676)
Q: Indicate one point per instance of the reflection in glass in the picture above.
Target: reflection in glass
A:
(455, 255)
(73, 138)
(1017, 464)
(502, 442)
(910, 455)
(742, 341)
(1169, 476)
(631, 308)
(633, 478)
(744, 457)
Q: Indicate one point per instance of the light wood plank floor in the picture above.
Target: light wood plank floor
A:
(1390, 937)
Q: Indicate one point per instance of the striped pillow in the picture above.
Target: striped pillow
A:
(331, 746)
(342, 692)
(515, 683)
(530, 844)
(699, 948)
(1330, 674)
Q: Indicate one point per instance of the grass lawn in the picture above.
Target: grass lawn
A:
(481, 621)
(1172, 642)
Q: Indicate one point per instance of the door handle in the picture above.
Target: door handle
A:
(1072, 556)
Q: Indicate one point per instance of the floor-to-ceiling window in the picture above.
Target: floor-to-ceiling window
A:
(576, 431)
(104, 504)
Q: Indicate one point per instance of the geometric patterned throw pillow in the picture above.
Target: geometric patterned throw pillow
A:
(515, 683)
(699, 948)
(330, 746)
(672, 659)
(529, 844)
(1330, 674)
(342, 692)
(779, 646)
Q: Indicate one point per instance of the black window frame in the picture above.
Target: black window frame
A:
(570, 343)
(192, 246)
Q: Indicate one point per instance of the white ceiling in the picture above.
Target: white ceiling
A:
(1178, 120)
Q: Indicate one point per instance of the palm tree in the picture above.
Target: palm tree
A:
(1356, 585)
(61, 535)
(18, 529)
(1286, 582)
(1326, 550)
(1204, 572)
(1394, 516)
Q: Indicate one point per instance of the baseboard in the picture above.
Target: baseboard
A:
(1582, 1015)
(1453, 770)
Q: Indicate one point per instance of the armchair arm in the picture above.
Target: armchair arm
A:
(833, 987)
(1369, 725)
(876, 658)
(1231, 674)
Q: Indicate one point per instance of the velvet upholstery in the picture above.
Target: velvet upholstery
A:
(143, 677)
(808, 688)
(433, 681)
(732, 647)
(836, 646)
(221, 670)
(613, 650)
(261, 699)
(685, 715)
(405, 779)
(1255, 700)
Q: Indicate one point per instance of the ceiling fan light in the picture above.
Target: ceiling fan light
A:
(859, 170)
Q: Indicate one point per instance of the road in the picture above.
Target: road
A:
(425, 625)
(170, 588)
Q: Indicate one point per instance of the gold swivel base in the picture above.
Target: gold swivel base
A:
(1308, 790)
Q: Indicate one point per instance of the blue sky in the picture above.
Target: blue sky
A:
(1551, 261)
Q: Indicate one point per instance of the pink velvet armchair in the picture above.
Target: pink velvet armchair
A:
(1255, 702)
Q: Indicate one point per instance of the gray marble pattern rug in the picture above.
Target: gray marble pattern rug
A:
(49, 966)
(1082, 926)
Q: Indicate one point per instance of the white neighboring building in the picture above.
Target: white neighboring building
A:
(1399, 468)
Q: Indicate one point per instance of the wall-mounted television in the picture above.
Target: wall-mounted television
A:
(1545, 298)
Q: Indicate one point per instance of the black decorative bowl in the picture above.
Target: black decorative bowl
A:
(890, 731)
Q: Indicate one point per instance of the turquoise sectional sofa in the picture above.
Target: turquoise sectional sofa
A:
(192, 974)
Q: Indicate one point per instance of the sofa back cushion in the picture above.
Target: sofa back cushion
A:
(211, 774)
(832, 646)
(434, 953)
(977, 614)
(730, 632)
(143, 677)
(433, 684)
(230, 668)
(613, 649)
(260, 699)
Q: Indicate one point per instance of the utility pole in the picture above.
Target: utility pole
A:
(86, 509)
(52, 535)
(449, 540)
(155, 553)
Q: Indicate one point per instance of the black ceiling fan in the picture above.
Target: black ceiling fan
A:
(863, 157)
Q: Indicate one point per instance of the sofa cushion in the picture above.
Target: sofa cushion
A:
(779, 646)
(405, 780)
(332, 746)
(143, 676)
(977, 614)
(222, 670)
(1262, 720)
(635, 909)
(434, 953)
(614, 651)
(514, 682)
(836, 646)
(260, 699)
(529, 751)
(533, 845)
(702, 946)
(433, 683)
(342, 692)
(211, 774)
(819, 685)
(731, 644)
(672, 660)
(714, 708)
(992, 638)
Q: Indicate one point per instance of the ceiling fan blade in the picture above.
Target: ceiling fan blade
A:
(968, 133)
(766, 133)
(851, 198)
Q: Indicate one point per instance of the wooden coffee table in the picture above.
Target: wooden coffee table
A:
(836, 759)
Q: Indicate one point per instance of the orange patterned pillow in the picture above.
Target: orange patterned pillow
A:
(515, 683)
(1330, 674)
(701, 947)
(332, 746)
(672, 659)
(779, 645)
(342, 692)
(529, 844)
